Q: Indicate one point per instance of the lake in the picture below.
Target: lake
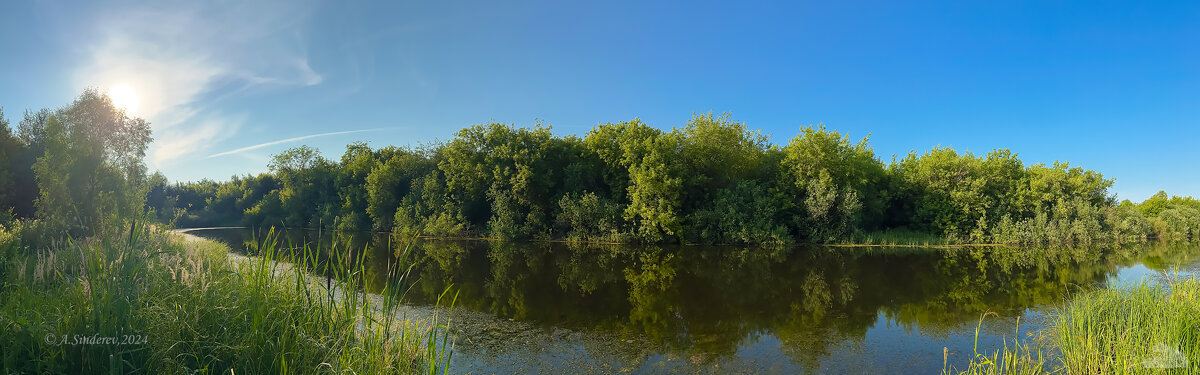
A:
(585, 308)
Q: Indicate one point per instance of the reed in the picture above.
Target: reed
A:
(1141, 328)
(1021, 358)
(898, 237)
(185, 305)
(1146, 327)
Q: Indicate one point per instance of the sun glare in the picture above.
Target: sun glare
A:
(124, 97)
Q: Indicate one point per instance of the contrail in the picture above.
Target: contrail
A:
(301, 138)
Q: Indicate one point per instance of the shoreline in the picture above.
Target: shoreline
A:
(835, 245)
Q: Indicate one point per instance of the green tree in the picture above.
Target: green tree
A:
(10, 150)
(716, 153)
(620, 147)
(427, 209)
(842, 184)
(357, 163)
(391, 181)
(642, 172)
(90, 175)
(504, 178)
(712, 180)
(656, 192)
(159, 199)
(107, 173)
(307, 193)
(747, 213)
(54, 205)
(961, 196)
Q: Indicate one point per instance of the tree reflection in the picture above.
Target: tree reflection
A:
(704, 303)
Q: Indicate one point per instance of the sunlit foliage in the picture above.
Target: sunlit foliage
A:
(713, 180)
(78, 169)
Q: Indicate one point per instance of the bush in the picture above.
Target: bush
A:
(1177, 223)
(747, 213)
(588, 217)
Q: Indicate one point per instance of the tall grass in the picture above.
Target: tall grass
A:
(187, 306)
(899, 237)
(1141, 328)
(1021, 358)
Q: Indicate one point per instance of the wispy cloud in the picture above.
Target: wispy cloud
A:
(290, 140)
(201, 133)
(181, 57)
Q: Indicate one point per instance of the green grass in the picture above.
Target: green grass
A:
(188, 306)
(1131, 329)
(1021, 358)
(1143, 328)
(898, 237)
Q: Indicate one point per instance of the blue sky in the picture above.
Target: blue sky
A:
(1109, 86)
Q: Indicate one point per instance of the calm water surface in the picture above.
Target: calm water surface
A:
(559, 308)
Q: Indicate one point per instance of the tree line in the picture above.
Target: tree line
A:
(711, 181)
(80, 167)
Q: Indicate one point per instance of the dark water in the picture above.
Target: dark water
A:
(559, 308)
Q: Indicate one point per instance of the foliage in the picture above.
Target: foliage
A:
(357, 163)
(844, 185)
(589, 217)
(747, 213)
(1174, 218)
(951, 194)
(503, 178)
(15, 166)
(55, 202)
(391, 181)
(87, 164)
(711, 181)
(73, 263)
(308, 196)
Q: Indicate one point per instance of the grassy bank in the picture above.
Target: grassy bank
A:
(148, 301)
(1144, 328)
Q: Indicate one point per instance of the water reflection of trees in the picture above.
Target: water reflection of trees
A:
(704, 302)
(707, 301)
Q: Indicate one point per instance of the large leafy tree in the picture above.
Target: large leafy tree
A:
(307, 195)
(716, 152)
(391, 181)
(357, 163)
(842, 185)
(716, 158)
(11, 149)
(619, 148)
(55, 204)
(503, 178)
(959, 195)
(90, 174)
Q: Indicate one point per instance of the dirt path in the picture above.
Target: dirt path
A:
(185, 230)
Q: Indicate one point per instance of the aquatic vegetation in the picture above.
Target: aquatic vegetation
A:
(183, 305)
(1022, 358)
(1143, 328)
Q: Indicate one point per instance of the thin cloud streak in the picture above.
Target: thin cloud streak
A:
(178, 142)
(289, 140)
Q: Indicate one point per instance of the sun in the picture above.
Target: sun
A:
(123, 97)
